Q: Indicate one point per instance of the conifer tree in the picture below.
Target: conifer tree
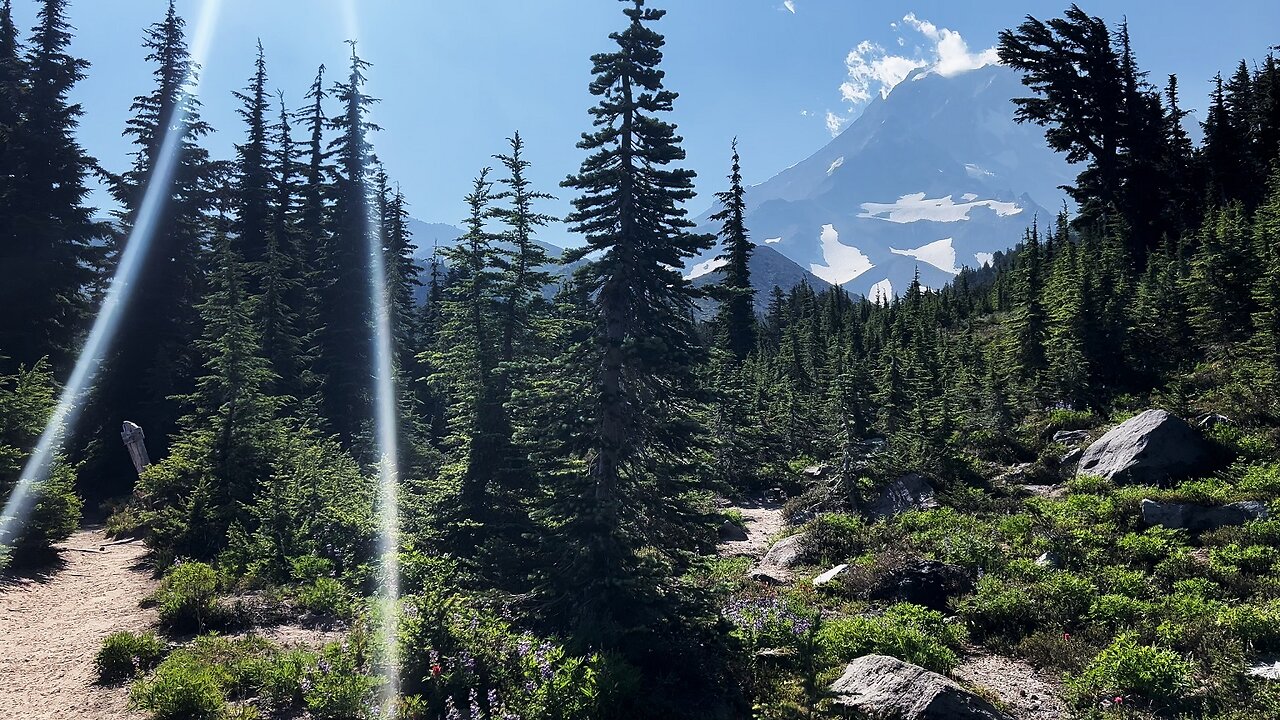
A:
(623, 528)
(465, 367)
(1223, 270)
(253, 191)
(347, 310)
(154, 357)
(48, 231)
(736, 318)
(206, 485)
(524, 262)
(12, 74)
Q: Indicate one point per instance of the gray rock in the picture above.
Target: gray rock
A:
(732, 532)
(1149, 449)
(830, 575)
(1070, 437)
(1199, 518)
(1071, 457)
(777, 565)
(1050, 560)
(909, 492)
(814, 472)
(924, 582)
(879, 686)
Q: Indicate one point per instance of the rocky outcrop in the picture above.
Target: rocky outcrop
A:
(732, 532)
(879, 686)
(1070, 437)
(778, 564)
(925, 582)
(1147, 449)
(1200, 518)
(909, 492)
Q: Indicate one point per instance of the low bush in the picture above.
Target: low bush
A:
(125, 654)
(834, 538)
(1158, 676)
(907, 632)
(326, 598)
(183, 688)
(187, 597)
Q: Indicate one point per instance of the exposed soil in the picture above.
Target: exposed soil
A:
(53, 621)
(1025, 693)
(763, 521)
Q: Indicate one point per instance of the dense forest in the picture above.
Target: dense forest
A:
(569, 442)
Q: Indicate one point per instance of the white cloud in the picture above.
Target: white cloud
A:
(805, 113)
(790, 5)
(951, 52)
(872, 70)
(836, 123)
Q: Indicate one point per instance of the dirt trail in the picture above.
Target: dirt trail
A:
(1026, 693)
(762, 521)
(52, 624)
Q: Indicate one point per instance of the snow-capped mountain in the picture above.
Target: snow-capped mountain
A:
(935, 176)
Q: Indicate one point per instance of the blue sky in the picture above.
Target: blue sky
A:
(456, 78)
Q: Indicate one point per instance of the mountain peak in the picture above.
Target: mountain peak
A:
(932, 177)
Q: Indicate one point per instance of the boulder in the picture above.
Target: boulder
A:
(1049, 559)
(815, 472)
(1199, 518)
(830, 575)
(1147, 449)
(924, 582)
(778, 564)
(909, 492)
(732, 532)
(1070, 437)
(1071, 457)
(879, 686)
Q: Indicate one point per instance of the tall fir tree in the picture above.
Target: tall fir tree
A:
(736, 318)
(524, 263)
(48, 231)
(625, 527)
(347, 308)
(154, 345)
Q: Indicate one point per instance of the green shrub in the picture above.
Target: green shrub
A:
(1151, 545)
(182, 689)
(1250, 558)
(326, 597)
(340, 688)
(1127, 669)
(1090, 485)
(125, 654)
(1012, 610)
(1260, 482)
(834, 538)
(907, 632)
(26, 400)
(1069, 420)
(1118, 611)
(187, 596)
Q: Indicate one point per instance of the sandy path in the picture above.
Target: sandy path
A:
(52, 624)
(1026, 693)
(762, 521)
